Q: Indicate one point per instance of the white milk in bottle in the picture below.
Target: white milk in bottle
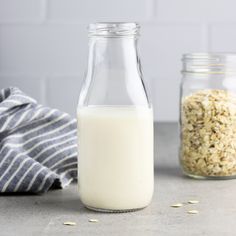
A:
(115, 157)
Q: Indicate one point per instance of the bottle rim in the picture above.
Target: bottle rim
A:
(209, 63)
(114, 29)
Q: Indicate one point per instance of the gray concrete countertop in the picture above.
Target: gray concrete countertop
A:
(44, 215)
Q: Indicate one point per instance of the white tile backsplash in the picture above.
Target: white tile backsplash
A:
(43, 43)
(223, 38)
(196, 11)
(102, 10)
(31, 85)
(162, 46)
(21, 11)
(63, 93)
(166, 100)
(42, 50)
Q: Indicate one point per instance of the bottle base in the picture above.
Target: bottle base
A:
(193, 176)
(113, 211)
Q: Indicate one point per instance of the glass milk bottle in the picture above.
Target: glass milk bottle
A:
(115, 123)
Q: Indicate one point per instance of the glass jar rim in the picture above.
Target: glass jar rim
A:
(209, 63)
(113, 29)
(220, 55)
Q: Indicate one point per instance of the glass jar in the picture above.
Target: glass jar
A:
(208, 116)
(115, 123)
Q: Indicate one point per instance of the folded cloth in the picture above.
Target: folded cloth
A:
(37, 145)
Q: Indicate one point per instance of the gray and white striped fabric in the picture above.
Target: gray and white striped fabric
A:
(38, 146)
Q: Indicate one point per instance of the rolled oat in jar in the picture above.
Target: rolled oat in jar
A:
(208, 120)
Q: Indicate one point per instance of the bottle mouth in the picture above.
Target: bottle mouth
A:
(114, 29)
(209, 63)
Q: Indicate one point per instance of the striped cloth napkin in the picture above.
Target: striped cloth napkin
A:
(38, 146)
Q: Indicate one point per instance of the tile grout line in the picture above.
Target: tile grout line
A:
(210, 37)
(44, 11)
(151, 9)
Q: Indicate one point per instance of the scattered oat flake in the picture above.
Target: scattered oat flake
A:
(193, 212)
(69, 223)
(177, 205)
(93, 220)
(193, 201)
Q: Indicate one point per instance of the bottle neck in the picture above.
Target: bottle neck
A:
(113, 57)
(114, 75)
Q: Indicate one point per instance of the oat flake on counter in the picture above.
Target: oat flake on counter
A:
(93, 220)
(193, 201)
(176, 205)
(69, 223)
(193, 212)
